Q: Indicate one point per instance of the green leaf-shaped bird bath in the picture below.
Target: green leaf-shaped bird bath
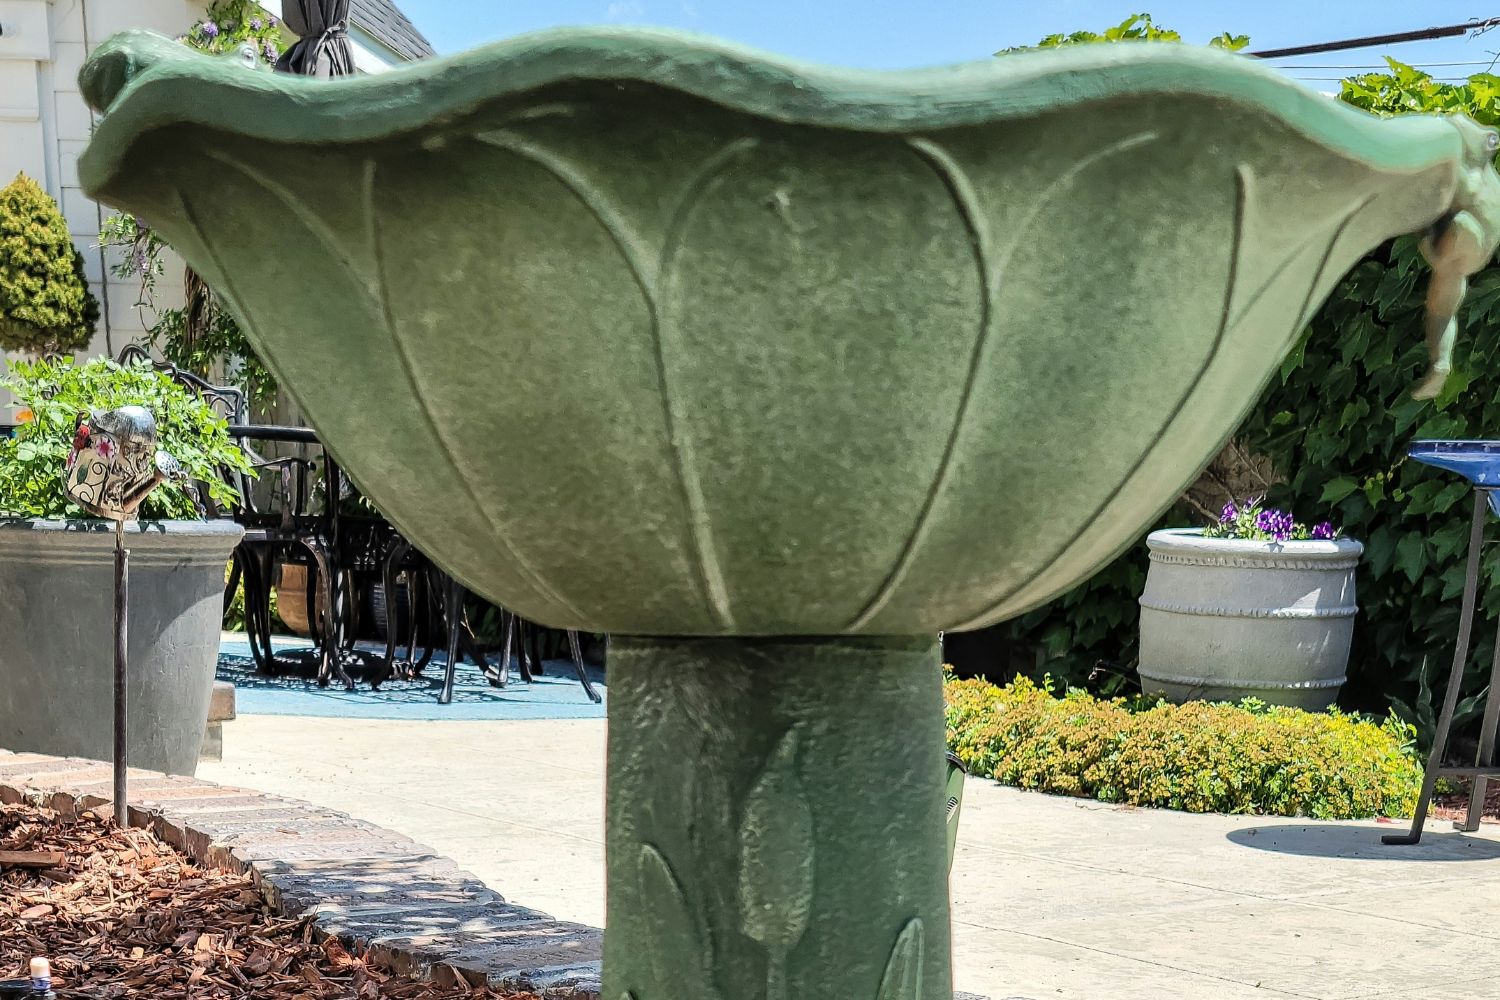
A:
(780, 370)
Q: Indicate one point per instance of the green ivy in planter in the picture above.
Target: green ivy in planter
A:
(52, 393)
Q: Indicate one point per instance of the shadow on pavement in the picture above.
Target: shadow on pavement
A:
(1362, 843)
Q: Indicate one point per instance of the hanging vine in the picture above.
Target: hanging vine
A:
(200, 335)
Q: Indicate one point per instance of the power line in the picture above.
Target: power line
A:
(1381, 65)
(1340, 79)
(1369, 41)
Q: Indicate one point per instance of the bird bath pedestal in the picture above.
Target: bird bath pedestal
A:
(772, 372)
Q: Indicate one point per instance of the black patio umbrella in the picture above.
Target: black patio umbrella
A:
(322, 29)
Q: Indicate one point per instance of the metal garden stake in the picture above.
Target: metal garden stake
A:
(113, 466)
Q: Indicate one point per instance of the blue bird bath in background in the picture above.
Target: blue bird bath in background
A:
(1476, 461)
(1479, 463)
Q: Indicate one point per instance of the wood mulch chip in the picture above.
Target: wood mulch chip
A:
(125, 915)
(1455, 805)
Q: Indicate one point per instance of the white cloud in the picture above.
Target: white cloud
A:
(625, 10)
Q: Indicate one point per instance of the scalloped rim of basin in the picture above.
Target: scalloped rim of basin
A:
(277, 107)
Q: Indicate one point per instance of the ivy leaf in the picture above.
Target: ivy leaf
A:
(1337, 489)
(1294, 360)
(1449, 495)
(1380, 550)
(1411, 555)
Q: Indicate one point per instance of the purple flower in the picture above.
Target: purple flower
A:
(1229, 513)
(1275, 523)
(256, 24)
(1322, 531)
(271, 52)
(210, 29)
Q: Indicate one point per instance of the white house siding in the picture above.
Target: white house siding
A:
(44, 124)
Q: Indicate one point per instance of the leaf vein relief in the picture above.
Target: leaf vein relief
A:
(776, 863)
(903, 970)
(647, 270)
(372, 279)
(677, 932)
(435, 426)
(992, 274)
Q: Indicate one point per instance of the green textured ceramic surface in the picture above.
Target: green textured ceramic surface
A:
(774, 820)
(643, 333)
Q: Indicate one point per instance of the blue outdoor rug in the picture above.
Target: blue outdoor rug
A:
(555, 695)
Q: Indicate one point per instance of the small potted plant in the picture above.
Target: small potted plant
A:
(56, 572)
(1257, 605)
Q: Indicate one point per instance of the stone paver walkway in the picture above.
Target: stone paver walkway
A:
(1054, 899)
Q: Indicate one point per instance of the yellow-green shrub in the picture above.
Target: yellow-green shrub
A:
(1198, 757)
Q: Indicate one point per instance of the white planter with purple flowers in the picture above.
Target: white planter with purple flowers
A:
(1255, 607)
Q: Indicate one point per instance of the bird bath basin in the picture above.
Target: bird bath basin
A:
(771, 371)
(1476, 461)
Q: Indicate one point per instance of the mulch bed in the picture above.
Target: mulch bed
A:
(1455, 805)
(125, 915)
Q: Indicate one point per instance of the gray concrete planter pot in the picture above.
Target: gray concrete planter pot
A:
(1224, 619)
(56, 594)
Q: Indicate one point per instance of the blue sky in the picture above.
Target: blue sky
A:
(885, 34)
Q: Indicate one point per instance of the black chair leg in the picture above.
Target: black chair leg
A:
(257, 579)
(470, 646)
(236, 573)
(418, 611)
(343, 622)
(583, 674)
(352, 613)
(524, 630)
(535, 634)
(453, 593)
(508, 631)
(330, 636)
(388, 572)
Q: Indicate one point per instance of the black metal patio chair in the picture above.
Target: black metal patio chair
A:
(427, 583)
(278, 529)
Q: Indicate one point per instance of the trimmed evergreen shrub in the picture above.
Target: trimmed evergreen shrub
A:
(45, 302)
(1198, 757)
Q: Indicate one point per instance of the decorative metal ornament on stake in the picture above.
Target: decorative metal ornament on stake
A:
(113, 466)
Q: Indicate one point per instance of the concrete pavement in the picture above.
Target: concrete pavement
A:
(1054, 899)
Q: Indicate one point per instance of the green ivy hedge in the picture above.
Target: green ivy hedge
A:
(1197, 757)
(1336, 423)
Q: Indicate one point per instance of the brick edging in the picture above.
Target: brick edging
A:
(417, 912)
